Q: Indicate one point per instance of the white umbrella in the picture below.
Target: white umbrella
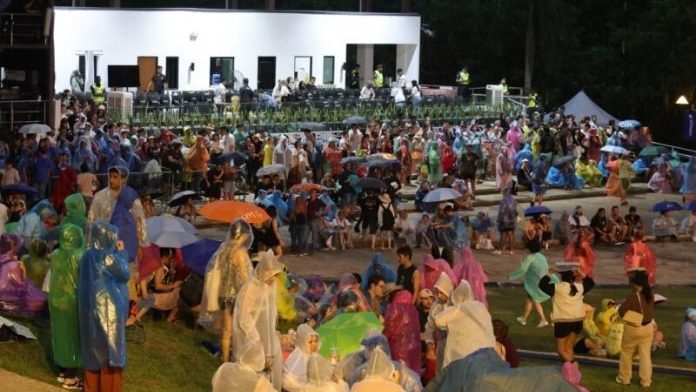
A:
(278, 168)
(34, 129)
(615, 149)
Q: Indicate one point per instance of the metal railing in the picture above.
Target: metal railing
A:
(684, 153)
(14, 114)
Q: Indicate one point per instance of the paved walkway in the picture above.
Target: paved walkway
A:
(13, 382)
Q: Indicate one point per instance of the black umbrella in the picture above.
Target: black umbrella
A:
(181, 197)
(356, 160)
(383, 163)
(230, 156)
(372, 183)
(312, 126)
(358, 120)
(19, 188)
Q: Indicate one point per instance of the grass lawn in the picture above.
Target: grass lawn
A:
(171, 359)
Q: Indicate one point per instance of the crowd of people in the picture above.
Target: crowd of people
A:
(94, 182)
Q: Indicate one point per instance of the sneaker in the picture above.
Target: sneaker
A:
(73, 384)
(521, 320)
(542, 324)
(497, 252)
(620, 381)
(61, 378)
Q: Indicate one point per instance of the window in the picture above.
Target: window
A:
(224, 68)
(303, 68)
(328, 70)
(82, 66)
(266, 71)
(172, 72)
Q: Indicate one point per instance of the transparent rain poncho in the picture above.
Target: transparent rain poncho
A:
(379, 374)
(256, 315)
(77, 211)
(102, 294)
(319, 376)
(245, 374)
(18, 296)
(295, 370)
(62, 297)
(469, 325)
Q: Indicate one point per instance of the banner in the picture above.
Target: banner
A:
(689, 125)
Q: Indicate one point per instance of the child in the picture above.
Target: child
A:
(345, 230)
(405, 231)
(483, 233)
(421, 232)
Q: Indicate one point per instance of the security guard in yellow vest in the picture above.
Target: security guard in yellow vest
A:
(532, 103)
(463, 81)
(378, 77)
(503, 83)
(98, 91)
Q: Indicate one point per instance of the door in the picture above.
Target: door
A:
(303, 68)
(147, 66)
(223, 67)
(266, 73)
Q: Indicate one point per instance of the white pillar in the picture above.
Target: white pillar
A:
(408, 60)
(366, 55)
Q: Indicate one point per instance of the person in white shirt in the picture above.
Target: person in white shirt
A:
(415, 95)
(368, 92)
(401, 78)
(355, 137)
(344, 228)
(688, 225)
(281, 91)
(228, 141)
(220, 92)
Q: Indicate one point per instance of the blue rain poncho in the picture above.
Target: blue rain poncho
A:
(102, 294)
(378, 265)
(534, 266)
(125, 222)
(689, 178)
(31, 225)
(525, 153)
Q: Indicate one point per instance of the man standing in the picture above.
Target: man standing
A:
(379, 77)
(375, 294)
(354, 79)
(158, 82)
(315, 210)
(246, 94)
(77, 83)
(463, 81)
(401, 78)
(98, 91)
(467, 168)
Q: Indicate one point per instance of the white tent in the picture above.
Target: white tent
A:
(581, 105)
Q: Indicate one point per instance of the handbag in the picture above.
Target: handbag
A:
(634, 318)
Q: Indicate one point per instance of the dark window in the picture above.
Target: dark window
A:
(224, 67)
(328, 77)
(172, 72)
(266, 73)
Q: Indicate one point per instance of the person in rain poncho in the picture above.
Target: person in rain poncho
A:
(402, 329)
(32, 224)
(255, 315)
(282, 154)
(102, 299)
(687, 344)
(436, 338)
(587, 170)
(538, 179)
(469, 325)
(245, 374)
(534, 266)
(36, 262)
(295, 370)
(688, 188)
(639, 256)
(228, 269)
(62, 302)
(320, 376)
(620, 173)
(469, 269)
(18, 296)
(660, 181)
(77, 211)
(380, 375)
(434, 163)
(607, 315)
(503, 169)
(507, 218)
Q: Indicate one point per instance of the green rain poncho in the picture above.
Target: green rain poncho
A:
(77, 211)
(36, 263)
(62, 298)
(434, 164)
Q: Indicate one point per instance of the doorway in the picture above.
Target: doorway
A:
(303, 68)
(266, 73)
(224, 68)
(147, 66)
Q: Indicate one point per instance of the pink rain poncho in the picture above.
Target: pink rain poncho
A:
(469, 269)
(431, 269)
(402, 329)
(18, 296)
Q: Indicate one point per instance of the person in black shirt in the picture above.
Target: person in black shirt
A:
(467, 167)
(158, 83)
(369, 207)
(407, 275)
(246, 94)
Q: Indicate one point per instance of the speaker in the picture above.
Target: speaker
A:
(192, 67)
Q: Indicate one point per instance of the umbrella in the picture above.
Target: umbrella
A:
(19, 188)
(230, 156)
(344, 332)
(559, 160)
(172, 239)
(197, 254)
(228, 210)
(372, 183)
(652, 151)
(359, 120)
(382, 155)
(312, 126)
(170, 232)
(691, 206)
(355, 160)
(629, 124)
(306, 187)
(441, 194)
(34, 129)
(615, 149)
(666, 206)
(150, 261)
(383, 163)
(181, 197)
(17, 328)
(270, 170)
(536, 210)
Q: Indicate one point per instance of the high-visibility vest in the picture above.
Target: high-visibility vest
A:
(98, 94)
(378, 79)
(532, 101)
(464, 78)
(505, 89)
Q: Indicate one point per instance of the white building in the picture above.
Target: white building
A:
(262, 46)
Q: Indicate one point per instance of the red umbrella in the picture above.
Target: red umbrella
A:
(150, 261)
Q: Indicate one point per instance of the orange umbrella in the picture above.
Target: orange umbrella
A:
(306, 187)
(228, 210)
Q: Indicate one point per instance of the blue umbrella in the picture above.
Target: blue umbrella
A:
(19, 188)
(372, 183)
(170, 232)
(383, 163)
(197, 254)
(629, 124)
(230, 156)
(537, 210)
(441, 194)
(666, 206)
(356, 160)
(691, 206)
(358, 120)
